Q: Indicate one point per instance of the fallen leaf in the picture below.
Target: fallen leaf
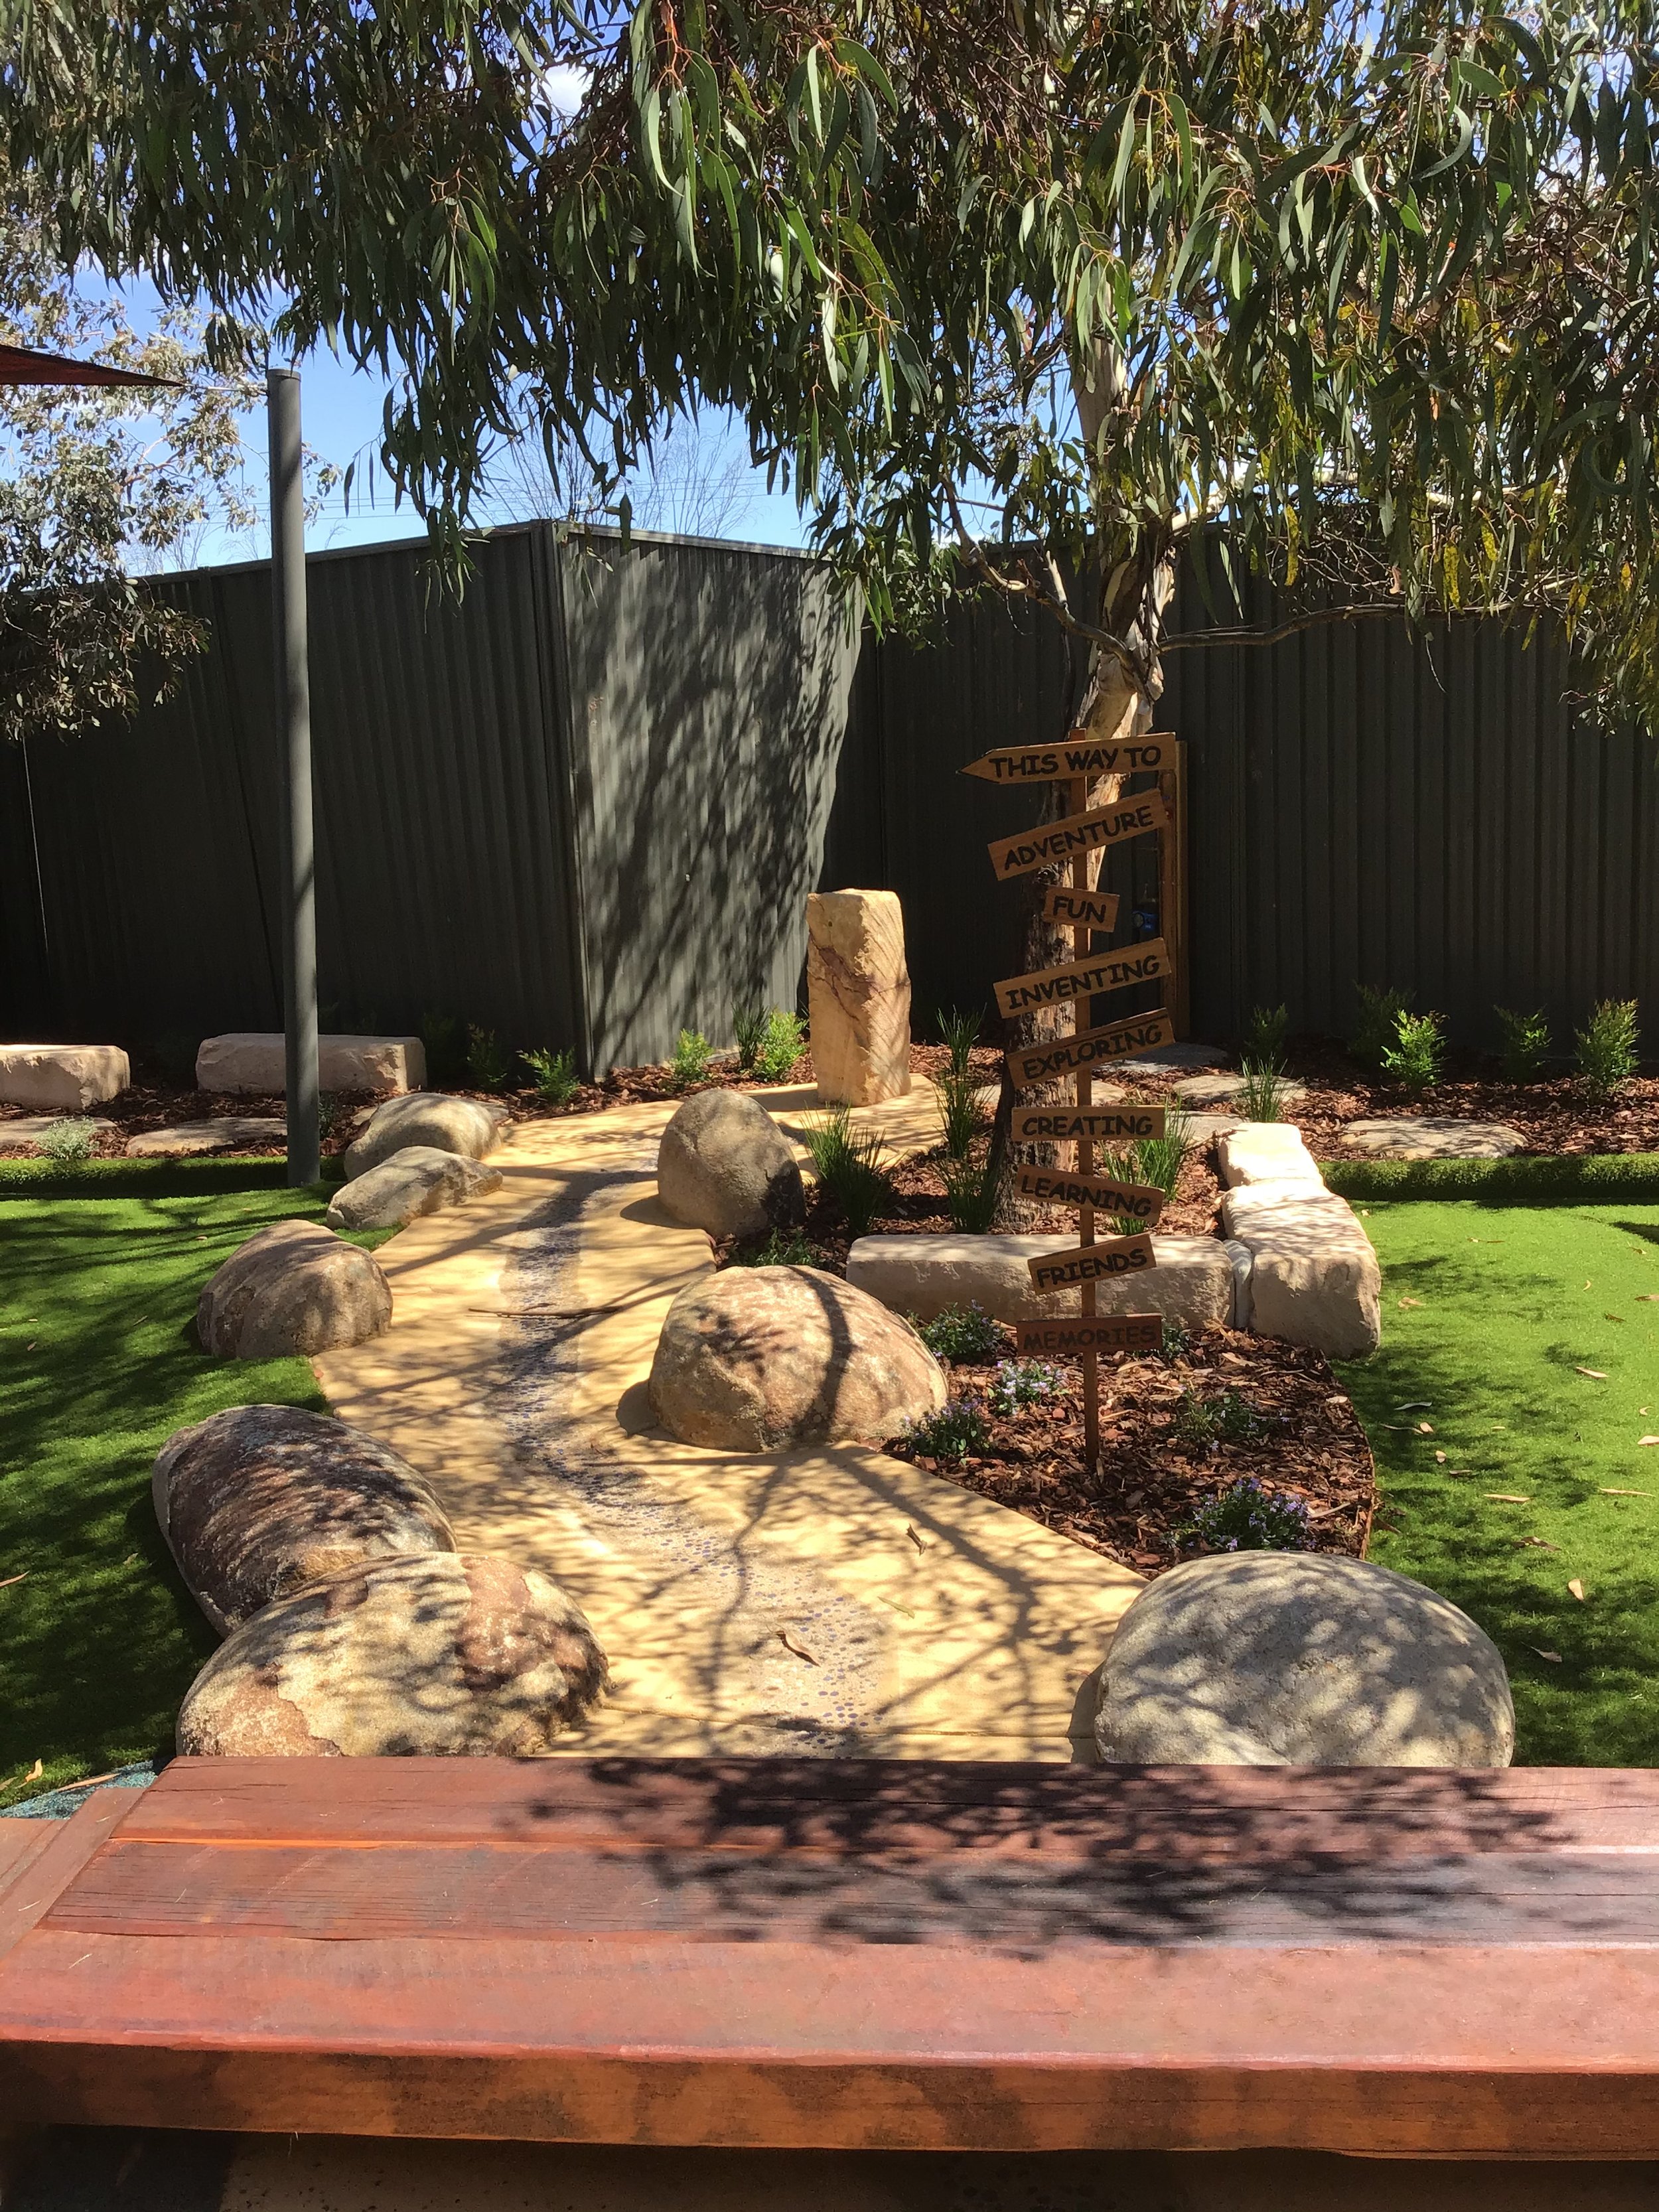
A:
(1648, 1440)
(790, 1644)
(1411, 1301)
(1537, 1543)
(916, 1537)
(1647, 1297)
(1425, 1428)
(1595, 1373)
(11, 1579)
(1336, 1401)
(34, 1772)
(30, 1346)
(1587, 1282)
(1441, 1457)
(1414, 1406)
(1507, 1498)
(1554, 1657)
(1626, 1493)
(1619, 1318)
(1578, 1589)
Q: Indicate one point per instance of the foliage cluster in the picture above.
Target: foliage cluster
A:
(1245, 1517)
(848, 1164)
(965, 1335)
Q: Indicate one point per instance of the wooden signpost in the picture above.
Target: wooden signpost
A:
(1086, 1339)
(1073, 838)
(1069, 1055)
(1084, 979)
(1102, 1125)
(1081, 909)
(1081, 761)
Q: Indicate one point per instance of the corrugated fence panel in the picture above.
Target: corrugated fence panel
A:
(708, 695)
(1364, 806)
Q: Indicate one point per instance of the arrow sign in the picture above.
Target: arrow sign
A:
(1093, 1263)
(1138, 1202)
(1078, 756)
(1082, 978)
(1071, 1340)
(1079, 833)
(1101, 1125)
(1088, 1047)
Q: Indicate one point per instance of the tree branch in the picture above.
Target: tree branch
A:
(1022, 587)
(1244, 634)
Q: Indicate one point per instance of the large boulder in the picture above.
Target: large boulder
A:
(1298, 1659)
(858, 995)
(429, 1118)
(418, 1179)
(757, 1358)
(725, 1166)
(70, 1076)
(454, 1654)
(296, 1287)
(255, 1062)
(257, 1502)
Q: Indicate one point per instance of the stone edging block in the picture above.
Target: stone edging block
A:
(71, 1076)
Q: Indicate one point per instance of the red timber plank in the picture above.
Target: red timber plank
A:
(869, 1954)
(38, 1877)
(20, 1842)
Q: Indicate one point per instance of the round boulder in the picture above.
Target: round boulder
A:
(418, 1179)
(754, 1359)
(296, 1287)
(724, 1165)
(425, 1117)
(1292, 1659)
(257, 1502)
(451, 1654)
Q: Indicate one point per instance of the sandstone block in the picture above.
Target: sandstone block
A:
(724, 1165)
(756, 1359)
(1314, 1276)
(1210, 1090)
(71, 1077)
(858, 996)
(455, 1654)
(1300, 1659)
(1192, 1280)
(221, 1133)
(257, 1502)
(22, 1132)
(1168, 1061)
(1268, 1151)
(254, 1061)
(294, 1288)
(419, 1179)
(432, 1118)
(1435, 1137)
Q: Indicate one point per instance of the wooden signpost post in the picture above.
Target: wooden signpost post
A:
(1079, 907)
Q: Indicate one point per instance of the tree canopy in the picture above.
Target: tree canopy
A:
(1360, 296)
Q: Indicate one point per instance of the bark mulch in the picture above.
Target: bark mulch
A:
(1156, 1471)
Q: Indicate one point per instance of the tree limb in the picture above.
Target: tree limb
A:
(1022, 587)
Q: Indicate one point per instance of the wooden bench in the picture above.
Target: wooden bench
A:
(811, 1953)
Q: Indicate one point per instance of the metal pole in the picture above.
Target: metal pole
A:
(288, 606)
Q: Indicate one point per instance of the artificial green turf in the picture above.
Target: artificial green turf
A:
(99, 1363)
(1504, 1304)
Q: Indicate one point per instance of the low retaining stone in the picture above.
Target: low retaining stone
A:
(255, 1062)
(417, 1180)
(70, 1076)
(1192, 1281)
(1220, 1090)
(1268, 1151)
(1171, 1059)
(1314, 1276)
(222, 1132)
(24, 1132)
(1435, 1137)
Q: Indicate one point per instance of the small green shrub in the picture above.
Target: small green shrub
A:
(66, 1144)
(1525, 1049)
(1158, 1159)
(782, 1037)
(950, 1435)
(973, 1193)
(554, 1074)
(1020, 1383)
(486, 1063)
(445, 1040)
(1263, 1042)
(1228, 1420)
(958, 1107)
(1263, 1098)
(1244, 1518)
(692, 1054)
(1376, 1023)
(1178, 1339)
(959, 1033)
(1606, 1055)
(965, 1335)
(748, 1027)
(784, 1248)
(849, 1169)
(328, 1113)
(1414, 1060)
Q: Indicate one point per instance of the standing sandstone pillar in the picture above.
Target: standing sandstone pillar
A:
(858, 996)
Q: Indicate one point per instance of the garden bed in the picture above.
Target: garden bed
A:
(1226, 1408)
